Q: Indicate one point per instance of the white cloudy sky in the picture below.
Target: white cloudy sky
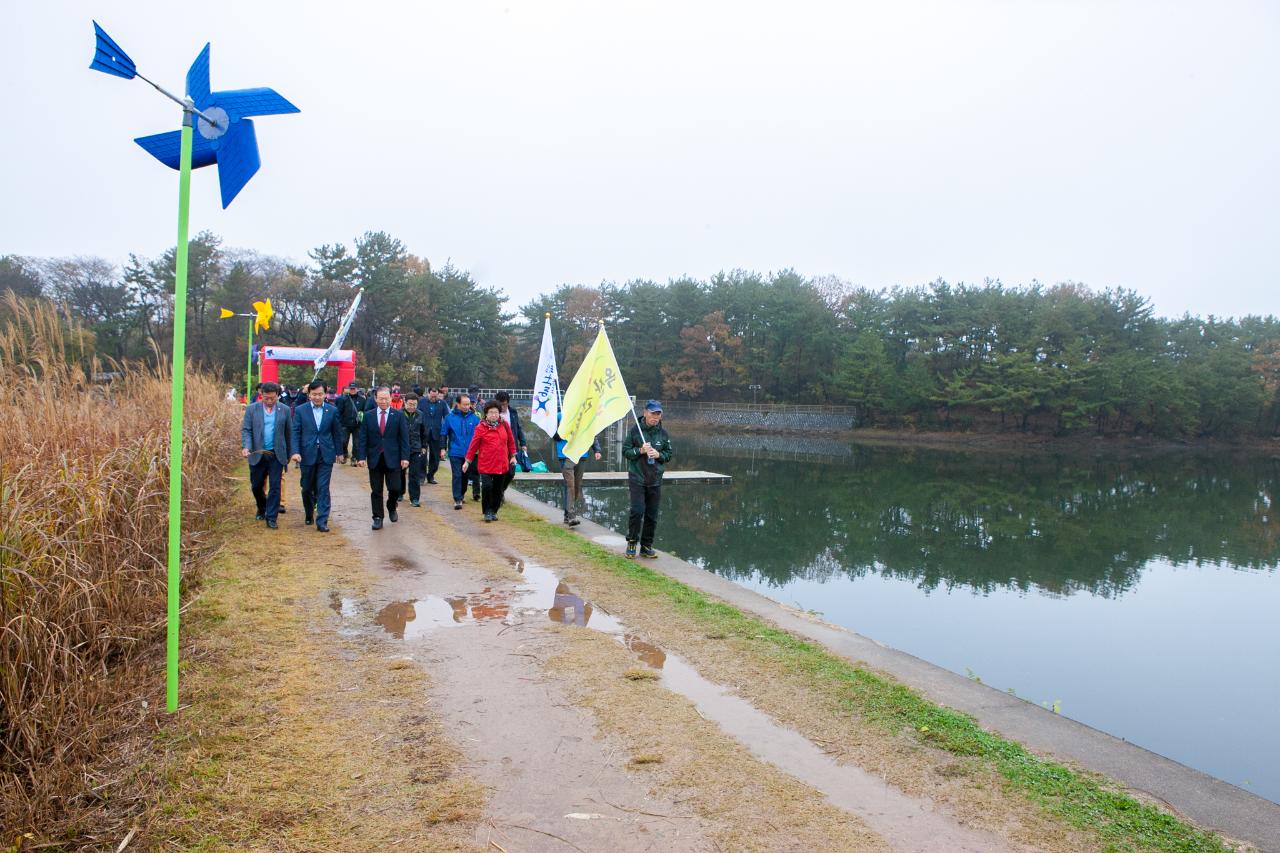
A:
(1114, 143)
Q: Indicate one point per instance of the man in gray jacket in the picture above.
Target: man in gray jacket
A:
(265, 441)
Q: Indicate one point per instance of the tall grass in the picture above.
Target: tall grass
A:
(83, 497)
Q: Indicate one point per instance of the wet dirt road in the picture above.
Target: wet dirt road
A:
(553, 781)
(454, 597)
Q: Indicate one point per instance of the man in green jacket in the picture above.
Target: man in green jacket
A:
(647, 451)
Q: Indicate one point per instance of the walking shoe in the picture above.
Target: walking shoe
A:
(282, 509)
(575, 521)
(260, 517)
(377, 524)
(322, 528)
(488, 516)
(271, 522)
(308, 520)
(631, 550)
(475, 496)
(415, 503)
(568, 519)
(432, 483)
(649, 553)
(391, 514)
(457, 504)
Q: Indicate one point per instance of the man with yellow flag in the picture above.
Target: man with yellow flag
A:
(596, 398)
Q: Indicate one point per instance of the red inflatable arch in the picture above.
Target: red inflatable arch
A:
(270, 359)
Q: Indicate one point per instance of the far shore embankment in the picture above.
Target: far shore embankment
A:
(843, 423)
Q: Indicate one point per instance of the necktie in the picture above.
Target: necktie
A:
(382, 421)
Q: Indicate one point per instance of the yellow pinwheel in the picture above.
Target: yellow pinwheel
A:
(265, 314)
(225, 313)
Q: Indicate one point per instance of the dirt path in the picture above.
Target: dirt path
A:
(598, 739)
(539, 755)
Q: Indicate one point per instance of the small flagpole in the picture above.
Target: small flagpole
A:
(175, 415)
(559, 408)
(248, 367)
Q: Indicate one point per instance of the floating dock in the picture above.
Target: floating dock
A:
(618, 478)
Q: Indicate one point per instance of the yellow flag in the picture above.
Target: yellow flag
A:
(263, 320)
(596, 398)
(225, 314)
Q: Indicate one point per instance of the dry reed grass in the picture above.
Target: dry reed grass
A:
(83, 526)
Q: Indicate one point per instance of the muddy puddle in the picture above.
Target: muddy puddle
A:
(907, 823)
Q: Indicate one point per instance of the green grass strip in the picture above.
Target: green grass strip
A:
(1120, 821)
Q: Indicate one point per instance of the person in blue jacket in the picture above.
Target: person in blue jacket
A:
(459, 424)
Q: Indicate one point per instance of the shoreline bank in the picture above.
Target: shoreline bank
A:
(1201, 798)
(1005, 442)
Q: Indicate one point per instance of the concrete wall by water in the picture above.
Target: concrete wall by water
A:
(770, 418)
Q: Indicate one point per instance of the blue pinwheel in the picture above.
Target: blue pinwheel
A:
(224, 133)
(224, 136)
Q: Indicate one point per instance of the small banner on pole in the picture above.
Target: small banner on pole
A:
(343, 327)
(546, 385)
(596, 398)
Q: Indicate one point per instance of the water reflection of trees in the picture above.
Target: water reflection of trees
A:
(948, 519)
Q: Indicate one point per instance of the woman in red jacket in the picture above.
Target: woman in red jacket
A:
(493, 451)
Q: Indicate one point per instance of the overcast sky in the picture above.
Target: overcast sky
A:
(1130, 144)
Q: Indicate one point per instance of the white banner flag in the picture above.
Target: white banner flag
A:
(343, 328)
(546, 385)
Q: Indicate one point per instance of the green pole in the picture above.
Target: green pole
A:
(175, 414)
(248, 369)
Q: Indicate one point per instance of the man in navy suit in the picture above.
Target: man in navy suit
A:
(317, 443)
(383, 444)
(264, 441)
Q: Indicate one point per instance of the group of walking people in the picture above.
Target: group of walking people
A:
(403, 438)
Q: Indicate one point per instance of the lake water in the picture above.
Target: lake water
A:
(1141, 597)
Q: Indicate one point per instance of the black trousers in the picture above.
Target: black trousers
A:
(381, 477)
(644, 512)
(348, 448)
(415, 474)
(492, 489)
(433, 457)
(264, 482)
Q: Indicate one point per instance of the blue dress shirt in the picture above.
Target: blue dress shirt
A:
(268, 429)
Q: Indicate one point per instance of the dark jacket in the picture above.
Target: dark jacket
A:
(418, 434)
(314, 445)
(435, 414)
(391, 447)
(638, 468)
(349, 409)
(516, 429)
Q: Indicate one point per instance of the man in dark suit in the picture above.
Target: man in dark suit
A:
(417, 448)
(265, 438)
(317, 444)
(383, 444)
(434, 412)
